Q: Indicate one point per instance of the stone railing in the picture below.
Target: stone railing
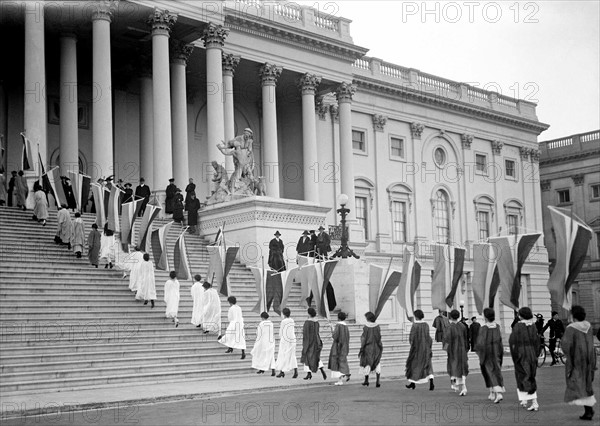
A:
(558, 148)
(433, 85)
(591, 136)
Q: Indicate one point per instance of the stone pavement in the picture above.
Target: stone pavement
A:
(30, 404)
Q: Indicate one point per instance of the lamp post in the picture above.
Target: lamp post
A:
(462, 305)
(344, 251)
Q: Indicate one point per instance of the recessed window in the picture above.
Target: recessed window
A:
(509, 167)
(513, 224)
(564, 196)
(397, 147)
(483, 220)
(595, 191)
(361, 214)
(480, 163)
(442, 218)
(399, 221)
(358, 140)
(439, 156)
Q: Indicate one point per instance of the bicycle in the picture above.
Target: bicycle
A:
(545, 350)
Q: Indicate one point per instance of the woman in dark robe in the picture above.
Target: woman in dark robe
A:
(192, 206)
(276, 261)
(311, 346)
(418, 363)
(490, 351)
(94, 245)
(170, 196)
(189, 190)
(338, 356)
(578, 347)
(524, 344)
(456, 343)
(370, 350)
(178, 207)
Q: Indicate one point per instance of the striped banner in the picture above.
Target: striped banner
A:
(215, 264)
(180, 259)
(512, 252)
(98, 193)
(76, 183)
(57, 191)
(572, 240)
(324, 271)
(447, 272)
(230, 256)
(26, 157)
(306, 274)
(409, 283)
(158, 241)
(128, 215)
(288, 278)
(486, 278)
(114, 204)
(382, 283)
(149, 216)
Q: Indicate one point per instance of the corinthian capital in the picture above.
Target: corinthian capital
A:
(417, 130)
(103, 9)
(214, 35)
(345, 91)
(229, 62)
(466, 140)
(379, 122)
(269, 74)
(497, 146)
(180, 51)
(161, 21)
(308, 84)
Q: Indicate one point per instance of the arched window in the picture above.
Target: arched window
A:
(513, 211)
(441, 206)
(484, 215)
(400, 199)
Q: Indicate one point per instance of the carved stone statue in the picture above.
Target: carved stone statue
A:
(220, 176)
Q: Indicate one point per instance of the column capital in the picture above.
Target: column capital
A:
(308, 83)
(524, 152)
(417, 129)
(379, 122)
(334, 110)
(180, 52)
(321, 107)
(345, 91)
(535, 155)
(214, 35)
(161, 21)
(269, 74)
(103, 10)
(497, 146)
(466, 140)
(229, 63)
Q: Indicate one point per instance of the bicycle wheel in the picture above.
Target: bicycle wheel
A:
(560, 354)
(541, 356)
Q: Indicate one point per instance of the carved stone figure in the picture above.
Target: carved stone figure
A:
(240, 148)
(220, 176)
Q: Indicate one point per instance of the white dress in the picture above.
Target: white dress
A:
(234, 336)
(286, 355)
(107, 247)
(135, 265)
(211, 312)
(147, 287)
(172, 298)
(197, 296)
(263, 352)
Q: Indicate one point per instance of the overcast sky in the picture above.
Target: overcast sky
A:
(543, 51)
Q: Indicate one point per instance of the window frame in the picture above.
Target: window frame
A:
(397, 157)
(364, 132)
(365, 211)
(484, 203)
(592, 185)
(449, 215)
(513, 207)
(404, 223)
(400, 192)
(515, 176)
(558, 196)
(485, 164)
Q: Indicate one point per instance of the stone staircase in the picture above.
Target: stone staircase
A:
(66, 325)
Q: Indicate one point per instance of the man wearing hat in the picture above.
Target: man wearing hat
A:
(304, 246)
(69, 195)
(276, 261)
(127, 195)
(142, 191)
(557, 329)
(170, 200)
(323, 246)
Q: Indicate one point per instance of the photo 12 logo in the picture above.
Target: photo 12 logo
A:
(470, 12)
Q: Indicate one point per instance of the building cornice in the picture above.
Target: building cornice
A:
(295, 37)
(568, 158)
(425, 98)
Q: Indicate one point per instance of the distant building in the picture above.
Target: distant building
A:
(570, 178)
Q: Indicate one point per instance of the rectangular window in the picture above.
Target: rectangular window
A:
(483, 218)
(509, 166)
(399, 221)
(595, 191)
(358, 140)
(480, 163)
(564, 196)
(361, 213)
(513, 224)
(397, 147)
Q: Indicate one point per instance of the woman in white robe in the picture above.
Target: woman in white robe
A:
(263, 351)
(78, 234)
(172, 297)
(197, 292)
(64, 231)
(211, 311)
(147, 287)
(40, 209)
(135, 265)
(107, 246)
(286, 355)
(234, 337)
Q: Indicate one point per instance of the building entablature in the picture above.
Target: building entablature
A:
(582, 145)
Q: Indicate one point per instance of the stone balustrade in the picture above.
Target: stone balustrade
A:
(572, 145)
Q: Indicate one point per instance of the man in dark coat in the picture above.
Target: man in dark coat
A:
(171, 191)
(578, 346)
(474, 332)
(191, 187)
(127, 195)
(313, 243)
(70, 196)
(524, 346)
(178, 206)
(192, 206)
(11, 187)
(304, 246)
(456, 343)
(312, 346)
(371, 349)
(440, 323)
(276, 261)
(338, 356)
(488, 346)
(556, 332)
(142, 191)
(323, 246)
(418, 364)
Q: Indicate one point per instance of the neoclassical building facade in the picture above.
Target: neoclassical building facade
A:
(149, 88)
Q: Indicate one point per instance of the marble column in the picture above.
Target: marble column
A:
(214, 38)
(269, 74)
(308, 84)
(35, 112)
(102, 120)
(161, 23)
(344, 94)
(229, 63)
(146, 123)
(180, 54)
(68, 131)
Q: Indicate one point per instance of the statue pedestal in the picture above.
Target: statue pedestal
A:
(350, 281)
(251, 222)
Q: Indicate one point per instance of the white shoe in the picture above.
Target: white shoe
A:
(463, 392)
(491, 396)
(534, 407)
(499, 398)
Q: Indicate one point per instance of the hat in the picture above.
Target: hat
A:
(305, 233)
(249, 130)
(128, 184)
(554, 313)
(539, 315)
(321, 228)
(312, 231)
(277, 234)
(110, 178)
(120, 181)
(142, 180)
(172, 180)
